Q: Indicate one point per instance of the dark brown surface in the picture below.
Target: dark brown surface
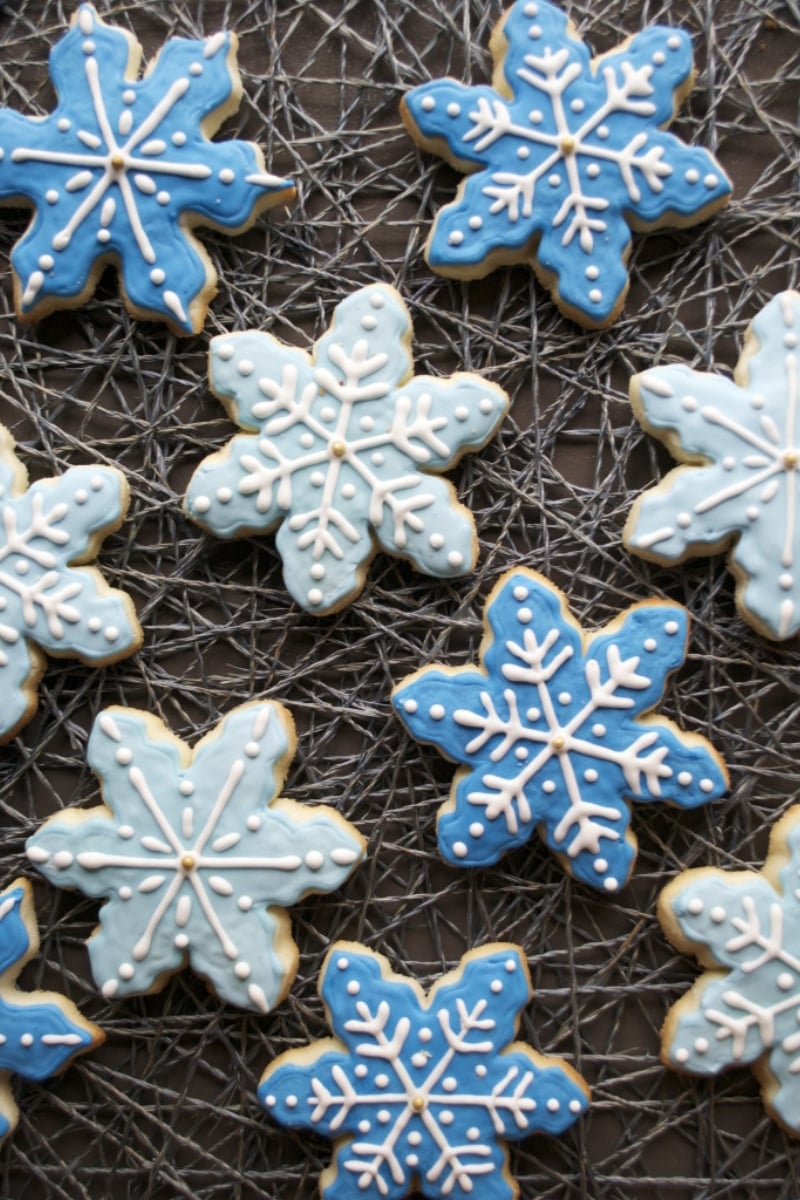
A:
(167, 1107)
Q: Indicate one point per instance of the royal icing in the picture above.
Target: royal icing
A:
(40, 1032)
(45, 601)
(747, 435)
(746, 1010)
(422, 1090)
(551, 734)
(343, 443)
(123, 167)
(564, 153)
(194, 856)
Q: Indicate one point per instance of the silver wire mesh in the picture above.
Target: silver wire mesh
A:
(166, 1108)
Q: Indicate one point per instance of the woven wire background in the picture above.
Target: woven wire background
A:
(166, 1108)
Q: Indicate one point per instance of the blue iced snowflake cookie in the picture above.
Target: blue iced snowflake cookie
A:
(744, 928)
(740, 441)
(342, 450)
(555, 732)
(123, 170)
(564, 154)
(47, 601)
(40, 1032)
(422, 1091)
(195, 858)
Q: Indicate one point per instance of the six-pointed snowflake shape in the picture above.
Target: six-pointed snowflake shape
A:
(745, 926)
(344, 442)
(39, 1034)
(45, 600)
(743, 441)
(552, 734)
(195, 856)
(422, 1091)
(123, 169)
(565, 153)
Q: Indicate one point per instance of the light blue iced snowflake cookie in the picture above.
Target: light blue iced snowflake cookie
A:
(342, 450)
(740, 440)
(422, 1091)
(40, 1032)
(123, 170)
(555, 732)
(564, 154)
(744, 927)
(47, 601)
(194, 856)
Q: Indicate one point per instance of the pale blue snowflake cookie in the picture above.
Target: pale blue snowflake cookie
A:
(123, 170)
(740, 440)
(342, 451)
(422, 1091)
(555, 732)
(744, 928)
(48, 602)
(564, 155)
(195, 858)
(40, 1032)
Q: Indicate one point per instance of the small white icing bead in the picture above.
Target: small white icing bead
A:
(64, 124)
(179, 138)
(94, 624)
(111, 633)
(343, 963)
(706, 785)
(548, 786)
(361, 1071)
(692, 175)
(157, 276)
(480, 1070)
(521, 753)
(590, 775)
(595, 295)
(410, 705)
(520, 592)
(425, 1034)
(659, 58)
(384, 1116)
(600, 865)
(650, 644)
(701, 1045)
(195, 69)
(564, 697)
(535, 31)
(369, 322)
(353, 987)
(47, 262)
(599, 730)
(752, 513)
(553, 1104)
(377, 458)
(456, 237)
(593, 170)
(163, 198)
(244, 366)
(126, 832)
(689, 403)
(461, 413)
(554, 180)
(684, 519)
(460, 850)
(124, 755)
(63, 859)
(414, 1137)
(245, 903)
(291, 1101)
(711, 180)
(436, 540)
(511, 965)
(524, 616)
(535, 116)
(315, 596)
(475, 222)
(785, 981)
(473, 1134)
(126, 970)
(242, 970)
(103, 235)
(575, 1106)
(476, 830)
(486, 405)
(785, 581)
(671, 628)
(610, 884)
(454, 110)
(364, 1126)
(717, 914)
(496, 986)
(681, 1055)
(428, 103)
(684, 778)
(253, 823)
(317, 571)
(530, 10)
(314, 860)
(602, 131)
(51, 196)
(523, 152)
(226, 175)
(252, 749)
(533, 714)
(446, 1117)
(577, 105)
(317, 478)
(128, 96)
(377, 300)
(226, 351)
(695, 906)
(125, 892)
(186, 787)
(674, 42)
(27, 1039)
(436, 712)
(224, 495)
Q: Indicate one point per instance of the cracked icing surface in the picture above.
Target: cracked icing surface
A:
(551, 734)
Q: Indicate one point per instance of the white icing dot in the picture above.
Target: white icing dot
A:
(94, 624)
(51, 196)
(157, 277)
(674, 42)
(410, 706)
(486, 406)
(752, 513)
(476, 830)
(62, 859)
(599, 730)
(126, 831)
(428, 103)
(602, 131)
(242, 970)
(456, 237)
(706, 785)
(701, 1045)
(592, 272)
(27, 1039)
(366, 423)
(577, 105)
(369, 321)
(455, 559)
(460, 850)
(377, 300)
(436, 712)
(226, 175)
(226, 351)
(224, 495)
(195, 68)
(548, 786)
(695, 906)
(425, 1034)
(317, 478)
(291, 1101)
(412, 1160)
(610, 884)
(681, 1055)
(659, 58)
(553, 1105)
(689, 404)
(758, 401)
(684, 778)
(252, 749)
(711, 180)
(181, 940)
(244, 366)
(473, 1134)
(360, 1071)
(496, 986)
(125, 892)
(650, 644)
(46, 262)
(454, 110)
(314, 860)
(684, 519)
(64, 124)
(480, 1070)
(575, 1106)
(520, 592)
(593, 170)
(790, 339)
(535, 116)
(533, 714)
(554, 180)
(523, 152)
(307, 440)
(521, 753)
(343, 963)
(103, 235)
(163, 198)
(717, 914)
(671, 628)
(126, 970)
(446, 1117)
(530, 10)
(245, 903)
(377, 458)
(22, 567)
(317, 571)
(353, 987)
(461, 413)
(128, 96)
(564, 697)
(253, 823)
(595, 295)
(414, 1138)
(384, 1116)
(436, 540)
(110, 988)
(785, 981)
(179, 138)
(315, 596)
(364, 1126)
(524, 616)
(692, 175)
(381, 1081)
(111, 633)
(475, 222)
(600, 865)
(186, 787)
(124, 755)
(785, 581)
(590, 775)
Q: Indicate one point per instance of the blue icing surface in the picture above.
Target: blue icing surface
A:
(550, 735)
(123, 166)
(422, 1090)
(746, 1009)
(569, 161)
(44, 600)
(342, 450)
(37, 1040)
(746, 494)
(194, 856)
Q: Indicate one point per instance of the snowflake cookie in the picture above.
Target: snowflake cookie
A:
(739, 489)
(123, 170)
(422, 1091)
(744, 926)
(563, 153)
(194, 856)
(40, 1032)
(552, 734)
(340, 445)
(47, 602)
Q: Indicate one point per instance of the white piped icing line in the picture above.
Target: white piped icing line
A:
(39, 1033)
(44, 600)
(746, 1010)
(422, 1079)
(554, 764)
(128, 168)
(570, 150)
(202, 864)
(747, 496)
(347, 442)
